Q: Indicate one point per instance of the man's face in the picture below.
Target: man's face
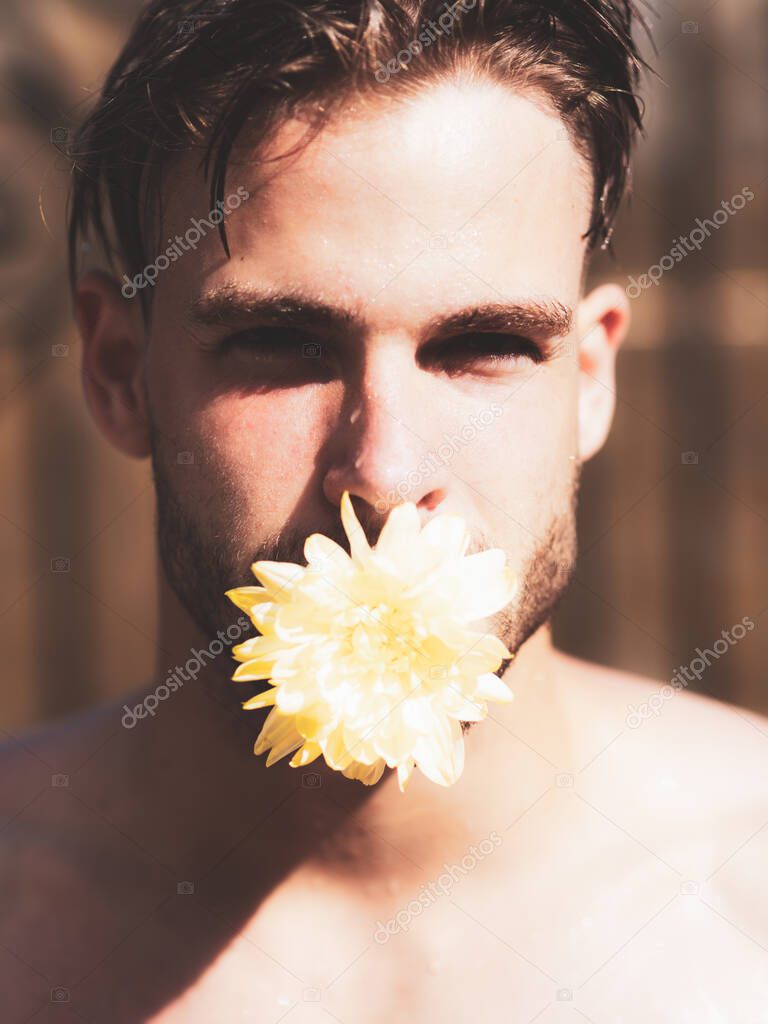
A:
(397, 319)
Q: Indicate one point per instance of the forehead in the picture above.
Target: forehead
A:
(463, 192)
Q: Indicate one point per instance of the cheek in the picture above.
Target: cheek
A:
(524, 463)
(265, 444)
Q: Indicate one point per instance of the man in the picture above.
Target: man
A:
(420, 187)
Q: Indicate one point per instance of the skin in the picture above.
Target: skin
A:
(599, 825)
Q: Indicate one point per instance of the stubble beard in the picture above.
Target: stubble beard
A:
(200, 563)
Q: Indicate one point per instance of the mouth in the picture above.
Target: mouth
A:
(369, 650)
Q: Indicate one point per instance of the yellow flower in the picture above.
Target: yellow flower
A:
(369, 657)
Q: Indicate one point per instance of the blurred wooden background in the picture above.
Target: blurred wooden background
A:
(673, 546)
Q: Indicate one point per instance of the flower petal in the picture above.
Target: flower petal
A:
(490, 687)
(486, 649)
(404, 772)
(290, 700)
(257, 647)
(261, 700)
(280, 733)
(325, 555)
(396, 539)
(252, 671)
(464, 708)
(246, 597)
(487, 584)
(306, 754)
(285, 746)
(441, 754)
(369, 774)
(418, 714)
(449, 533)
(358, 542)
(336, 753)
(278, 577)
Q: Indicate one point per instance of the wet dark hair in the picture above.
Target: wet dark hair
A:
(195, 73)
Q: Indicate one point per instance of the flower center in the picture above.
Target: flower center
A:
(384, 635)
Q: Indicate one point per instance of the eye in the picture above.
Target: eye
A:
(280, 354)
(273, 342)
(502, 350)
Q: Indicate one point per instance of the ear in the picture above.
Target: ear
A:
(602, 323)
(114, 341)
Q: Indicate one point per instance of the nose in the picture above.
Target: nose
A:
(381, 453)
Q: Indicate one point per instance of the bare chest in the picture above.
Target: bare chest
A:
(555, 954)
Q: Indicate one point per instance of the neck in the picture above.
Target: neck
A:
(201, 737)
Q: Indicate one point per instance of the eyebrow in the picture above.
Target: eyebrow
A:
(234, 304)
(544, 318)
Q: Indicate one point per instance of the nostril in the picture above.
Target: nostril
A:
(432, 500)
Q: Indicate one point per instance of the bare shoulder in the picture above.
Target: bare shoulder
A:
(682, 763)
(666, 727)
(46, 757)
(52, 773)
(54, 855)
(677, 783)
(685, 773)
(639, 690)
